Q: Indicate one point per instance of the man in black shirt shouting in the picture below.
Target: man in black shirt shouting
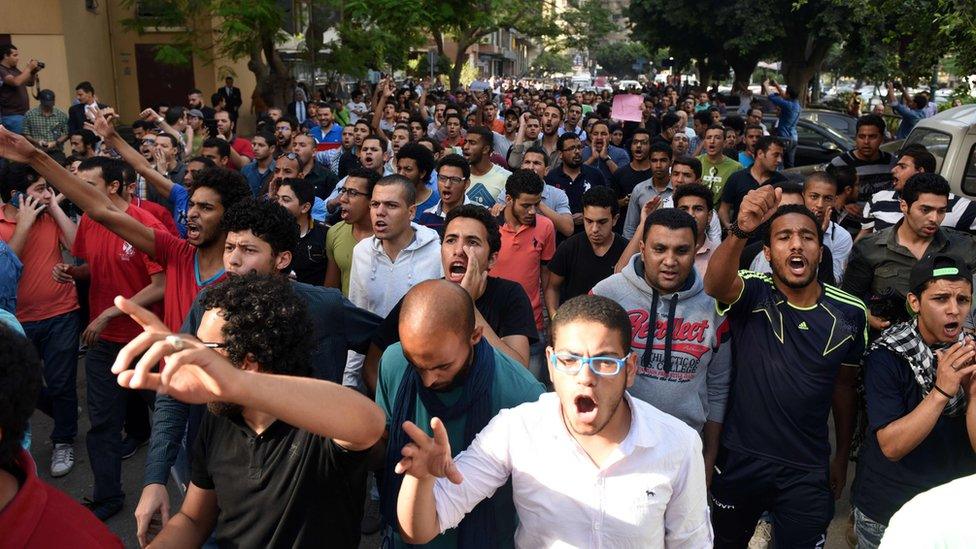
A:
(275, 465)
(797, 343)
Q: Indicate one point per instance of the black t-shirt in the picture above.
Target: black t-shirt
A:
(309, 261)
(786, 360)
(881, 485)
(283, 488)
(626, 178)
(580, 268)
(504, 305)
(323, 180)
(738, 186)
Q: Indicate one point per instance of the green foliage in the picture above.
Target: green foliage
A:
(547, 63)
(469, 72)
(586, 26)
(617, 58)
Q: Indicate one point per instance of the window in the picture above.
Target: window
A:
(934, 141)
(969, 176)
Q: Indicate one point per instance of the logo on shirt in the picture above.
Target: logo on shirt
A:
(713, 178)
(803, 326)
(127, 252)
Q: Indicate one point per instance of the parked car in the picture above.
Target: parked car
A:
(817, 144)
(843, 123)
(951, 137)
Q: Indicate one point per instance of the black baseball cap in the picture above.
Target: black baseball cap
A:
(934, 266)
(46, 97)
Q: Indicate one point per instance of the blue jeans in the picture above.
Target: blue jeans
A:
(868, 532)
(56, 341)
(106, 410)
(13, 122)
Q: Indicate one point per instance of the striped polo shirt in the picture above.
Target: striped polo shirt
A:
(883, 211)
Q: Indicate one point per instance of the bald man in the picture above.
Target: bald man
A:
(443, 367)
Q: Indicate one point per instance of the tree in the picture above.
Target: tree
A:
(618, 58)
(585, 27)
(467, 22)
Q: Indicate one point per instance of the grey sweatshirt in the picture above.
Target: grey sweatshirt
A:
(687, 374)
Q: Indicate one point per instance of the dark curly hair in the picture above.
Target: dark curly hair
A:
(478, 213)
(264, 318)
(523, 182)
(228, 184)
(269, 221)
(20, 383)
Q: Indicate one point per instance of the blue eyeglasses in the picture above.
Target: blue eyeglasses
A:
(571, 364)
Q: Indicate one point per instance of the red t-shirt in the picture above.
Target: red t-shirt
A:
(522, 256)
(243, 148)
(41, 516)
(182, 277)
(117, 268)
(39, 296)
(159, 212)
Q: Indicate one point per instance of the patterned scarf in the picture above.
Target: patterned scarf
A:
(905, 341)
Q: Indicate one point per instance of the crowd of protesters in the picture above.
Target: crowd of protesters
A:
(486, 317)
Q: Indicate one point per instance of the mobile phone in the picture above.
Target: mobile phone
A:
(15, 201)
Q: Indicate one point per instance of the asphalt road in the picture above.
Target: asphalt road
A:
(78, 483)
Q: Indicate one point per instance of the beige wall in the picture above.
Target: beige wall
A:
(31, 16)
(87, 42)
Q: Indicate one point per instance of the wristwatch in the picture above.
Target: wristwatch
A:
(739, 233)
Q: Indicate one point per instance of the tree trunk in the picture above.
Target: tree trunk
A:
(802, 58)
(742, 69)
(460, 58)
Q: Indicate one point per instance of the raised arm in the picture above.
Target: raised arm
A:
(722, 278)
(98, 206)
(197, 374)
(162, 184)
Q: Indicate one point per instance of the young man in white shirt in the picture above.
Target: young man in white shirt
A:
(589, 464)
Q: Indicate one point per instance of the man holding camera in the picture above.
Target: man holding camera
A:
(13, 87)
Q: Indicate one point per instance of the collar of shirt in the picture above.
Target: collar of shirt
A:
(939, 241)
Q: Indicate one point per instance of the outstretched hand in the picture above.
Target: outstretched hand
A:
(191, 372)
(427, 457)
(15, 147)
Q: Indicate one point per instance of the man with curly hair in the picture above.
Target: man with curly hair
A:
(281, 459)
(261, 237)
(32, 513)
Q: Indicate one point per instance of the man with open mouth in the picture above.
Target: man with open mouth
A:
(798, 344)
(919, 389)
(590, 465)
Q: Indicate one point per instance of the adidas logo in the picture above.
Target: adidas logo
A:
(803, 326)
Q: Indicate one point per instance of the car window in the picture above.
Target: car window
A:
(806, 133)
(934, 141)
(969, 176)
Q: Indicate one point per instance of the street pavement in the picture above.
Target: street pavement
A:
(78, 483)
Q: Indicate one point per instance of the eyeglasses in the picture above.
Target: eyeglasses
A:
(571, 364)
(573, 148)
(353, 193)
(450, 180)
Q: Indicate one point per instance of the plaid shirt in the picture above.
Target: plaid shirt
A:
(39, 127)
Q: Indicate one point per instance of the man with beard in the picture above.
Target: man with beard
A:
(601, 154)
(586, 258)
(328, 132)
(637, 170)
(658, 187)
(716, 167)
(502, 310)
(487, 179)
(573, 176)
(774, 451)
(529, 135)
(194, 100)
(354, 226)
(270, 465)
(260, 238)
(285, 129)
(769, 154)
(240, 148)
(682, 341)
(879, 268)
(873, 165)
(458, 377)
(590, 441)
(528, 243)
(920, 393)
